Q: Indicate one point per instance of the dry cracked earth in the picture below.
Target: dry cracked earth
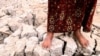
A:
(23, 28)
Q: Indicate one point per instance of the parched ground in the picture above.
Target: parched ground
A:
(97, 14)
(23, 28)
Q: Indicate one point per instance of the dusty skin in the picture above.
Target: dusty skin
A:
(78, 36)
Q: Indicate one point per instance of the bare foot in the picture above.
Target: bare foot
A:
(47, 41)
(82, 40)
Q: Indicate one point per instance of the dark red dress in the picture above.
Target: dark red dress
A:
(70, 15)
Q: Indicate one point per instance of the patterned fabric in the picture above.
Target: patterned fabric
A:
(70, 15)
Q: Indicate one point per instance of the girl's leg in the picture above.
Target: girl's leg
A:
(48, 40)
(82, 40)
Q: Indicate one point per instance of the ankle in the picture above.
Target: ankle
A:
(78, 34)
(77, 31)
(49, 35)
